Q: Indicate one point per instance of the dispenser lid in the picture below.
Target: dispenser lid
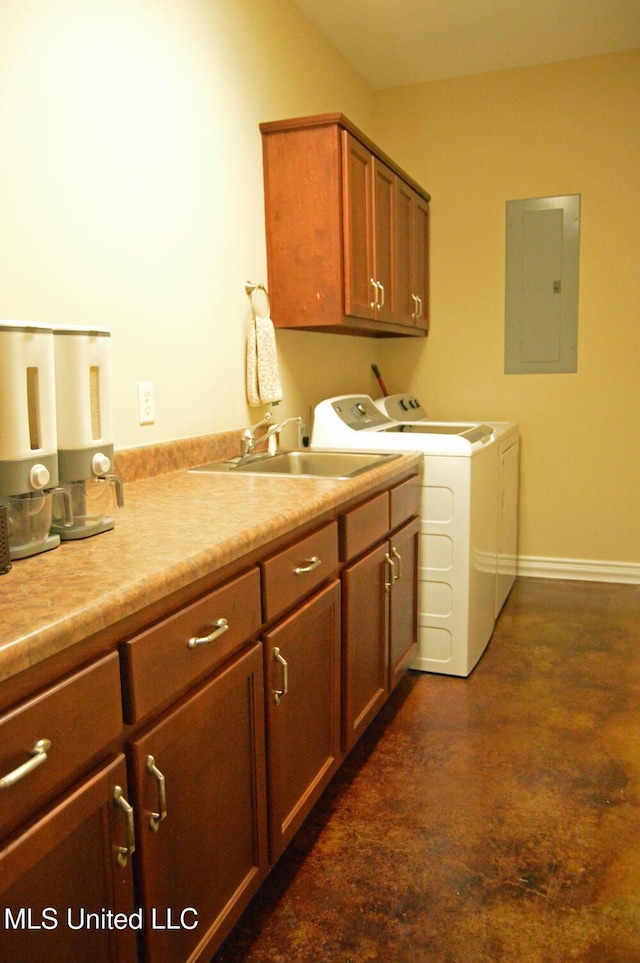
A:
(25, 326)
(89, 330)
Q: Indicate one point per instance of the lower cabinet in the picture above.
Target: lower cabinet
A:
(199, 781)
(152, 856)
(66, 881)
(403, 600)
(366, 651)
(379, 626)
(302, 681)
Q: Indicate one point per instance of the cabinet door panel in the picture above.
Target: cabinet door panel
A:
(420, 245)
(403, 601)
(64, 867)
(357, 172)
(405, 304)
(366, 659)
(303, 712)
(209, 853)
(384, 220)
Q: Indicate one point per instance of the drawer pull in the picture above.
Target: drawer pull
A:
(38, 756)
(309, 565)
(391, 568)
(156, 818)
(396, 554)
(220, 628)
(279, 693)
(374, 304)
(125, 851)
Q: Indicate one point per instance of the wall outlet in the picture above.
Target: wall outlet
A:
(145, 403)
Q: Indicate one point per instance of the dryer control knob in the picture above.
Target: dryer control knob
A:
(100, 464)
(39, 476)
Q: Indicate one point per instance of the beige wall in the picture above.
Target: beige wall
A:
(131, 196)
(131, 187)
(475, 143)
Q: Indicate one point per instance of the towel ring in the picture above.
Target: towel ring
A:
(252, 291)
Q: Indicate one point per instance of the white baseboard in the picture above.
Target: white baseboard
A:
(585, 570)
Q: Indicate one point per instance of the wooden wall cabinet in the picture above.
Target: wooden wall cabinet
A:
(347, 232)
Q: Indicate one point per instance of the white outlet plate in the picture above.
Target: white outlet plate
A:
(145, 403)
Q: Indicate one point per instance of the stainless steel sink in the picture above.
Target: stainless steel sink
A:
(303, 463)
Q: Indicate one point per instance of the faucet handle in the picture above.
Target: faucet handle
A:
(247, 438)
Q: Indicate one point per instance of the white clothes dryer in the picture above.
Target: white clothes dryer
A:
(459, 530)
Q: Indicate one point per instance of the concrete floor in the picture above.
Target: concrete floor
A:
(495, 818)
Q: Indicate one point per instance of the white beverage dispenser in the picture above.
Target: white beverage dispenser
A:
(84, 428)
(28, 444)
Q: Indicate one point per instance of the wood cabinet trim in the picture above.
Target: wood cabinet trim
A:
(339, 120)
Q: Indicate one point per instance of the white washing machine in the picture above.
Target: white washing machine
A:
(406, 407)
(459, 540)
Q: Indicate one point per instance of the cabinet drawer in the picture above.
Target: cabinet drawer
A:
(165, 659)
(79, 717)
(298, 569)
(363, 526)
(405, 501)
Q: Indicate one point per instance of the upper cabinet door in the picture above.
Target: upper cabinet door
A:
(360, 293)
(384, 241)
(420, 260)
(412, 257)
(369, 205)
(404, 255)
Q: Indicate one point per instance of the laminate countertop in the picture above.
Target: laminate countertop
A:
(173, 529)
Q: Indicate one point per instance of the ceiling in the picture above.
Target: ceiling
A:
(393, 43)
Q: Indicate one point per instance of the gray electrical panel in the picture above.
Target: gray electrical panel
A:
(541, 297)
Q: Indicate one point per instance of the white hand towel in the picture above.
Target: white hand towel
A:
(263, 375)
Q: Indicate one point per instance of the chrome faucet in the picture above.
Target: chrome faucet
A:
(248, 441)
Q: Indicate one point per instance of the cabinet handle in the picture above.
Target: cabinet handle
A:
(219, 629)
(415, 313)
(374, 304)
(419, 300)
(279, 693)
(309, 565)
(380, 286)
(396, 554)
(156, 818)
(391, 568)
(38, 756)
(125, 851)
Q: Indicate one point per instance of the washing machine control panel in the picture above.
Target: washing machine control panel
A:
(358, 412)
(402, 407)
